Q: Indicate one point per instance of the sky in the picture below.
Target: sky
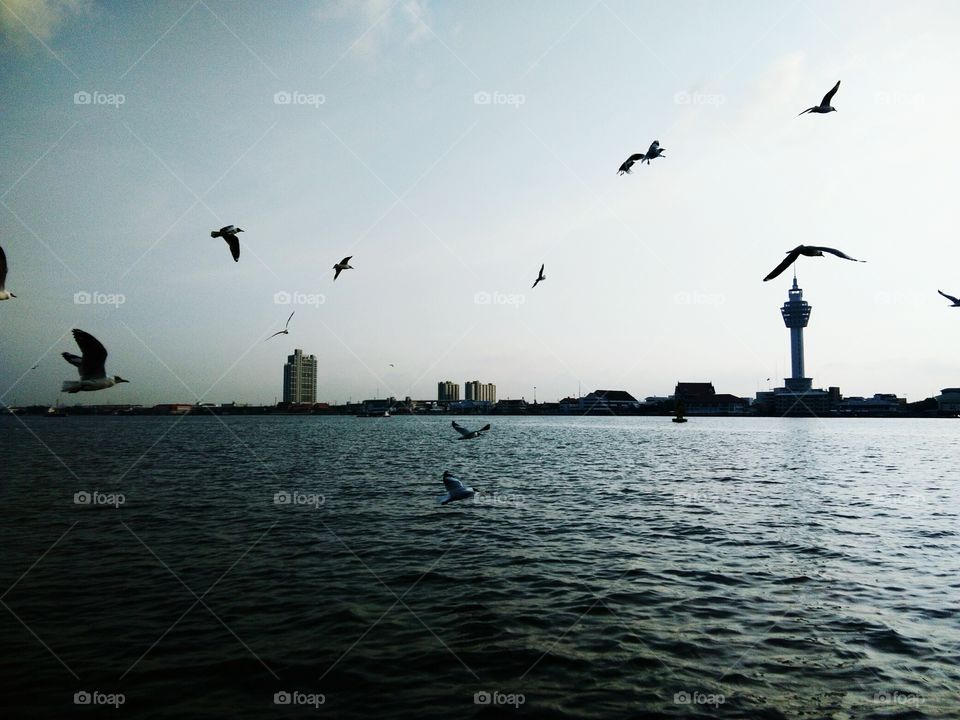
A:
(453, 147)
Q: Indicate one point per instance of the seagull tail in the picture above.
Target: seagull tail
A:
(215, 233)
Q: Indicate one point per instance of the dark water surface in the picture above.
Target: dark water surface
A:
(631, 567)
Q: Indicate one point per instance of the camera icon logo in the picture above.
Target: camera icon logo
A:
(82, 498)
(82, 298)
(482, 298)
(81, 698)
(482, 698)
(82, 98)
(282, 98)
(481, 98)
(282, 298)
(282, 698)
(682, 697)
(282, 498)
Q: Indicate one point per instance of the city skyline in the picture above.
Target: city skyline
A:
(109, 157)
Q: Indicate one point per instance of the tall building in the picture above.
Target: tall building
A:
(480, 392)
(798, 397)
(300, 378)
(796, 315)
(448, 391)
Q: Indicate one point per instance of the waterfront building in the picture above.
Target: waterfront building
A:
(300, 378)
(448, 391)
(480, 392)
(949, 400)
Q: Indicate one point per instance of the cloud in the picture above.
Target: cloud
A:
(20, 19)
(379, 23)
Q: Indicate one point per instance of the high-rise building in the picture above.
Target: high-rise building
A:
(300, 378)
(796, 315)
(448, 391)
(480, 392)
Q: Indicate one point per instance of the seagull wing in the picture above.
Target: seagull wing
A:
(484, 428)
(951, 298)
(654, 149)
(453, 484)
(787, 262)
(3, 269)
(829, 96)
(234, 242)
(337, 273)
(839, 254)
(288, 320)
(459, 428)
(279, 332)
(346, 260)
(228, 230)
(92, 365)
(74, 360)
(809, 109)
(628, 163)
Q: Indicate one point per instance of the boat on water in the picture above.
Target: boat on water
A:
(56, 411)
(373, 413)
(679, 410)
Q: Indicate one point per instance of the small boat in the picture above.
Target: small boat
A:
(679, 410)
(373, 413)
(56, 411)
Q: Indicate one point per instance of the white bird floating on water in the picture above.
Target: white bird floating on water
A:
(824, 106)
(93, 375)
(285, 331)
(229, 233)
(456, 490)
(469, 434)
(4, 294)
(951, 298)
(654, 151)
(341, 266)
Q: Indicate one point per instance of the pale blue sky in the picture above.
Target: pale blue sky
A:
(651, 278)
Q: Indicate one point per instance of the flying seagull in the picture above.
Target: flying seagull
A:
(809, 251)
(229, 233)
(469, 434)
(654, 151)
(951, 298)
(824, 106)
(91, 365)
(540, 278)
(456, 490)
(285, 330)
(4, 294)
(341, 266)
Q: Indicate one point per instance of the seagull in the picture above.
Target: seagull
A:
(4, 294)
(809, 251)
(341, 266)
(469, 434)
(229, 233)
(456, 490)
(285, 330)
(654, 151)
(540, 278)
(951, 298)
(91, 365)
(824, 106)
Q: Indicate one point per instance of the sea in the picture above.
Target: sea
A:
(300, 566)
